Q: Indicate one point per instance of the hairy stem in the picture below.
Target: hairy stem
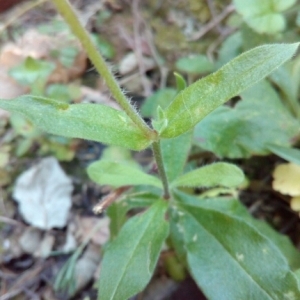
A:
(68, 13)
(161, 169)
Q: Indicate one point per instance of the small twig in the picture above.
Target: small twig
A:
(109, 199)
(214, 45)
(214, 22)
(10, 221)
(162, 68)
(213, 13)
(137, 47)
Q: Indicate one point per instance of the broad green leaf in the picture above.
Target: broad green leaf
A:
(297, 274)
(202, 97)
(117, 174)
(218, 244)
(174, 153)
(289, 154)
(129, 261)
(234, 207)
(257, 120)
(87, 121)
(194, 64)
(264, 16)
(160, 98)
(218, 174)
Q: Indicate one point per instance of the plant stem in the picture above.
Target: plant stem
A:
(161, 169)
(68, 13)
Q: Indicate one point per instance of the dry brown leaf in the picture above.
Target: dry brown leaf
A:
(40, 46)
(86, 266)
(97, 228)
(30, 240)
(287, 179)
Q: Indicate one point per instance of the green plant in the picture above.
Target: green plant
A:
(229, 254)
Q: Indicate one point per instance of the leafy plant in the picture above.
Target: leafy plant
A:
(264, 17)
(229, 254)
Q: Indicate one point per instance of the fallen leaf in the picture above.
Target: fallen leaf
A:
(97, 228)
(69, 64)
(70, 243)
(86, 267)
(287, 179)
(46, 246)
(30, 240)
(44, 195)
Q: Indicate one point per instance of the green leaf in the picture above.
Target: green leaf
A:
(286, 79)
(257, 120)
(218, 244)
(117, 174)
(231, 48)
(202, 97)
(120, 155)
(32, 70)
(289, 154)
(63, 92)
(174, 154)
(218, 174)
(67, 55)
(194, 64)
(87, 121)
(141, 199)
(130, 259)
(234, 207)
(160, 98)
(105, 48)
(264, 16)
(180, 82)
(117, 215)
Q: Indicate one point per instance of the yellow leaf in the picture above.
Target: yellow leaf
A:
(295, 203)
(287, 179)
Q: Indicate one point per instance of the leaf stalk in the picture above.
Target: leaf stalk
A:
(161, 168)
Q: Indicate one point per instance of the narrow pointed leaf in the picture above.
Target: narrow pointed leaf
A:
(174, 154)
(218, 174)
(130, 259)
(199, 99)
(230, 259)
(87, 121)
(180, 82)
(119, 174)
